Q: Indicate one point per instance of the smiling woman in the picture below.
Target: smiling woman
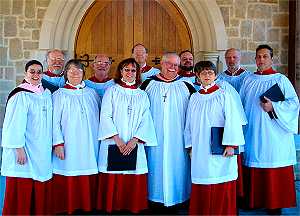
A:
(27, 145)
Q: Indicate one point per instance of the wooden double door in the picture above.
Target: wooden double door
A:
(114, 26)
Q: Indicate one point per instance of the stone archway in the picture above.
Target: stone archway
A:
(204, 17)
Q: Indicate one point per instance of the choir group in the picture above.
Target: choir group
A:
(150, 141)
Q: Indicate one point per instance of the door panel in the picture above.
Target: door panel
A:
(114, 26)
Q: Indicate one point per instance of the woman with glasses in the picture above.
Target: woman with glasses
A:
(27, 146)
(213, 112)
(126, 127)
(75, 124)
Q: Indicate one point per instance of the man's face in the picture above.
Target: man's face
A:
(55, 61)
(101, 65)
(263, 59)
(140, 54)
(232, 58)
(186, 61)
(170, 67)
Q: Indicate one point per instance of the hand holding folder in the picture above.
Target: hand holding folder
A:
(216, 141)
(274, 94)
(116, 161)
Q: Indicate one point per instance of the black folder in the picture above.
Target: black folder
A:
(216, 141)
(116, 161)
(274, 94)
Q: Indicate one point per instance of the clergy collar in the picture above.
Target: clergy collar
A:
(127, 85)
(145, 68)
(237, 72)
(50, 74)
(209, 88)
(266, 72)
(34, 88)
(70, 86)
(162, 78)
(94, 79)
(186, 73)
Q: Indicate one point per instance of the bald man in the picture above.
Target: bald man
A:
(140, 54)
(234, 74)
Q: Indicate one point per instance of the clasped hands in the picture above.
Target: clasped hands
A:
(125, 149)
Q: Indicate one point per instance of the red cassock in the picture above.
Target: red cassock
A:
(269, 188)
(71, 193)
(213, 199)
(122, 192)
(239, 182)
(25, 196)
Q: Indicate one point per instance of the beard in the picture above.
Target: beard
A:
(186, 68)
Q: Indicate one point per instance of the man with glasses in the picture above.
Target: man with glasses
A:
(55, 63)
(100, 81)
(234, 74)
(140, 54)
(168, 163)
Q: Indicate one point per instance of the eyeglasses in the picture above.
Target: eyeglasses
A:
(39, 72)
(75, 70)
(102, 62)
(57, 59)
(207, 72)
(170, 64)
(129, 70)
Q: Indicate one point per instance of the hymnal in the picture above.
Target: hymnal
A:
(116, 161)
(216, 141)
(274, 94)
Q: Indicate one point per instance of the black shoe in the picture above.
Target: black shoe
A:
(274, 211)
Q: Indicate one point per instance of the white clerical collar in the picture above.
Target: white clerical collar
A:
(128, 83)
(234, 72)
(208, 86)
(78, 86)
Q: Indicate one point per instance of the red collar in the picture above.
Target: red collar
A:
(186, 73)
(94, 79)
(161, 77)
(266, 72)
(237, 73)
(210, 90)
(121, 83)
(145, 69)
(50, 74)
(67, 86)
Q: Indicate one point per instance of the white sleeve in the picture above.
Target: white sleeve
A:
(15, 121)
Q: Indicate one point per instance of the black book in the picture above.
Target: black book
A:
(116, 161)
(274, 94)
(216, 141)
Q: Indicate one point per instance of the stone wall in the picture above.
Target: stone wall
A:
(20, 23)
(252, 22)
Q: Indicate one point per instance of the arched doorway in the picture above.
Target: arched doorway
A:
(114, 26)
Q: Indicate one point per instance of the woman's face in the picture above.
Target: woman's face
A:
(74, 75)
(34, 74)
(206, 76)
(128, 73)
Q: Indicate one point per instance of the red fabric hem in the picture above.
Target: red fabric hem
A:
(72, 193)
(215, 199)
(269, 188)
(25, 196)
(122, 192)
